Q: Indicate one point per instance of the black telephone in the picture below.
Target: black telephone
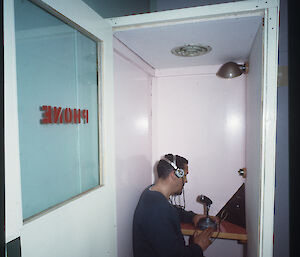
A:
(206, 222)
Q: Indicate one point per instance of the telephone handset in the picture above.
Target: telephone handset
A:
(206, 222)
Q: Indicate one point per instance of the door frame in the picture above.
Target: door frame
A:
(270, 11)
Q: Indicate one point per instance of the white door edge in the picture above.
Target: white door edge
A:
(270, 52)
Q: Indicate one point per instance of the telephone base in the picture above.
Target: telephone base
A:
(206, 222)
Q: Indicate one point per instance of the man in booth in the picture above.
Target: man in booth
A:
(156, 222)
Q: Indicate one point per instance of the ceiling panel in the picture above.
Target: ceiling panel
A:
(231, 40)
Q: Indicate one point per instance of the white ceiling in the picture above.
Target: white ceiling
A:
(231, 40)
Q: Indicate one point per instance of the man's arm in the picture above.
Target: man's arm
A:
(185, 216)
(164, 235)
(191, 217)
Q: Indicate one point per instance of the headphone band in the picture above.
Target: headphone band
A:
(173, 164)
(178, 172)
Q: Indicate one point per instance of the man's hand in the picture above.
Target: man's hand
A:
(202, 238)
(197, 217)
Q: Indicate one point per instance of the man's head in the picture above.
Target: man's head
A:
(165, 171)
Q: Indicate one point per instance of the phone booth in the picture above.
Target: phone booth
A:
(157, 92)
(219, 124)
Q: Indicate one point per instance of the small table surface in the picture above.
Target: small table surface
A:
(227, 231)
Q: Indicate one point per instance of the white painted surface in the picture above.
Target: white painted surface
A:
(270, 54)
(202, 117)
(124, 52)
(253, 145)
(133, 139)
(230, 39)
(13, 201)
(193, 70)
(225, 248)
(85, 226)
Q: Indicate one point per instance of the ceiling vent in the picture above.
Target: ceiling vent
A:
(191, 50)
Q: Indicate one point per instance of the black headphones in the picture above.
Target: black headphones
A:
(178, 172)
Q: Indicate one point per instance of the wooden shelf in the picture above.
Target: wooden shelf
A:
(227, 231)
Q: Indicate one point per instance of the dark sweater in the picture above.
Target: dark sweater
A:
(156, 228)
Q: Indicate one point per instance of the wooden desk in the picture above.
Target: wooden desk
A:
(227, 231)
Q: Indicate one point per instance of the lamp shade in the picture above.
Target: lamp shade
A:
(230, 70)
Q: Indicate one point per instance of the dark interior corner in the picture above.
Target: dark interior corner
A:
(2, 186)
(14, 248)
(293, 122)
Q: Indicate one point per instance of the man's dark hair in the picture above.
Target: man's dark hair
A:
(164, 168)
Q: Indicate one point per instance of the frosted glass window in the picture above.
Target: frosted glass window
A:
(59, 148)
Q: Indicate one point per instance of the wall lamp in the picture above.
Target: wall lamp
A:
(231, 70)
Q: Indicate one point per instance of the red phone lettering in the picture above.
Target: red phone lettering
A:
(68, 117)
(47, 117)
(57, 114)
(85, 115)
(76, 115)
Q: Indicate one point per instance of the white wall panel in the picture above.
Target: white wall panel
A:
(133, 141)
(202, 117)
(84, 227)
(253, 145)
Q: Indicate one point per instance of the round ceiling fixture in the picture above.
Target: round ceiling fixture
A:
(191, 50)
